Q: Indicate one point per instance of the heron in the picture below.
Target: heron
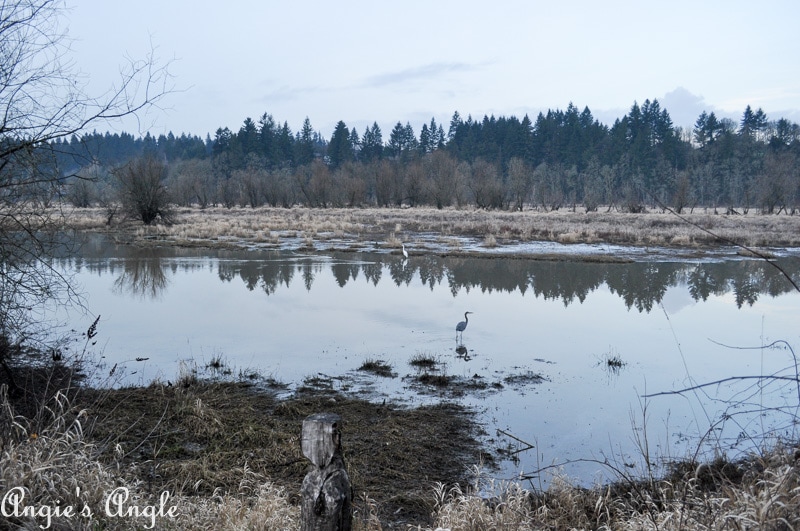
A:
(462, 325)
(405, 253)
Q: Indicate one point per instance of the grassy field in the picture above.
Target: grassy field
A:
(229, 454)
(392, 227)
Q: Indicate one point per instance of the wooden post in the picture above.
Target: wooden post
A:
(327, 499)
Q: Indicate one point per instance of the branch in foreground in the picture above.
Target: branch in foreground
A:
(729, 241)
(724, 380)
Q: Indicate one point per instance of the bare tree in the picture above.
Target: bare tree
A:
(486, 186)
(413, 182)
(777, 183)
(682, 195)
(41, 101)
(142, 192)
(387, 183)
(351, 181)
(442, 177)
(520, 178)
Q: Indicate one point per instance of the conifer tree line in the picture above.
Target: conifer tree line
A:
(562, 159)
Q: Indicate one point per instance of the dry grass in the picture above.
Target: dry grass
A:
(228, 455)
(267, 226)
(230, 459)
(760, 493)
(61, 475)
(202, 440)
(378, 367)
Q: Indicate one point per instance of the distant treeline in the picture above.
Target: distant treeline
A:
(561, 159)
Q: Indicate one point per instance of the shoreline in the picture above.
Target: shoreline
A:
(226, 454)
(205, 440)
(444, 231)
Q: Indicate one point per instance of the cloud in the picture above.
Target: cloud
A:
(424, 72)
(287, 93)
(684, 107)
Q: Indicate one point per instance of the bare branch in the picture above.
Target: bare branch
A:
(724, 380)
(43, 99)
(750, 250)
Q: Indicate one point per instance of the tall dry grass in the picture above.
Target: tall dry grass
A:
(267, 226)
(56, 467)
(59, 478)
(764, 494)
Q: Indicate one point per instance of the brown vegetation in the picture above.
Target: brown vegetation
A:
(223, 444)
(266, 226)
(229, 455)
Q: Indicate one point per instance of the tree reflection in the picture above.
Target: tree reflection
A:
(644, 286)
(640, 285)
(142, 276)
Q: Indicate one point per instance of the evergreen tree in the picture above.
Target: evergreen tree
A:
(747, 125)
(285, 146)
(355, 143)
(267, 133)
(401, 140)
(425, 141)
(248, 136)
(410, 140)
(340, 148)
(396, 140)
(304, 146)
(435, 140)
(786, 133)
(440, 138)
(706, 129)
(372, 143)
(455, 123)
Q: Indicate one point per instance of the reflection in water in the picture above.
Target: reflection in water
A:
(142, 276)
(640, 285)
(463, 353)
(291, 315)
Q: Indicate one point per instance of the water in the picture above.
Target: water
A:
(672, 324)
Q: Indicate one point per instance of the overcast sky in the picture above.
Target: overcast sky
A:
(375, 61)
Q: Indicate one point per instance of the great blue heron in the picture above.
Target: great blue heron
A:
(405, 253)
(462, 325)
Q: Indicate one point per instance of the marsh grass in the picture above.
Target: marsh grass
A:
(61, 467)
(612, 362)
(756, 493)
(393, 241)
(230, 459)
(216, 226)
(524, 378)
(377, 367)
(435, 380)
(422, 360)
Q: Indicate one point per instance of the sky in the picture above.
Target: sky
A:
(411, 60)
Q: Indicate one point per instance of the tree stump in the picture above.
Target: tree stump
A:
(327, 498)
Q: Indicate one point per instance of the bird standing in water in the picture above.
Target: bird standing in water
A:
(405, 253)
(462, 325)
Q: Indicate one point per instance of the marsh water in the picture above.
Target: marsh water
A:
(558, 355)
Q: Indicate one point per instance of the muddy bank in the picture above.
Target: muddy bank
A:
(202, 439)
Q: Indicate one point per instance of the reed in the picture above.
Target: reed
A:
(250, 225)
(56, 464)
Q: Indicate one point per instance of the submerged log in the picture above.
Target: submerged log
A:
(327, 497)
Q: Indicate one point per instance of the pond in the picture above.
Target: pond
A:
(557, 357)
